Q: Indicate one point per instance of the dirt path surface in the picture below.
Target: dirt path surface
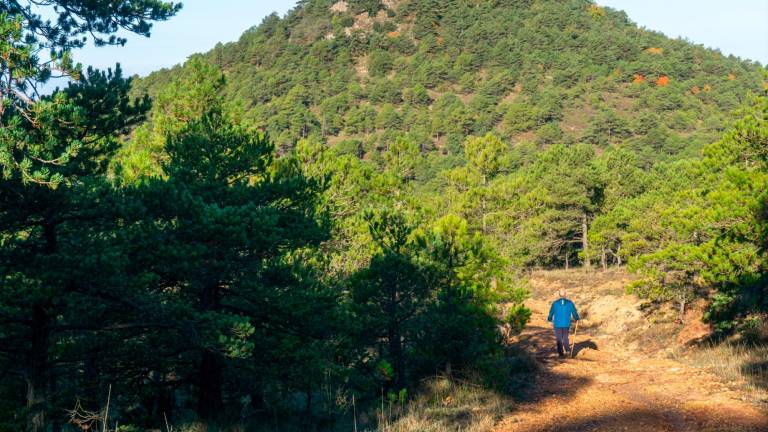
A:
(613, 386)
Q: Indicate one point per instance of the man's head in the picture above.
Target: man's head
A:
(561, 292)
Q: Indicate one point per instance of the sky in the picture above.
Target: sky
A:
(738, 27)
(198, 27)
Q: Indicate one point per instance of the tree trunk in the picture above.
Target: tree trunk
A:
(308, 408)
(682, 309)
(396, 350)
(56, 425)
(395, 342)
(482, 206)
(604, 260)
(38, 369)
(567, 264)
(162, 402)
(209, 402)
(584, 241)
(37, 372)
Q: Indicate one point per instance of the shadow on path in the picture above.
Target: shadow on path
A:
(634, 420)
(608, 387)
(583, 394)
(587, 344)
(540, 342)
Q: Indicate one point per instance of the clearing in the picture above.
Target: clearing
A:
(623, 377)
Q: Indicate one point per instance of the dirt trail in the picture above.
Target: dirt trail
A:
(615, 386)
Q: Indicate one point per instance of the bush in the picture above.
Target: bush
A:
(517, 316)
(550, 133)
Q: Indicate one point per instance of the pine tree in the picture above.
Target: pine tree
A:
(59, 260)
(392, 290)
(227, 213)
(28, 29)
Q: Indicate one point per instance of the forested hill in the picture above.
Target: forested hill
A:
(359, 74)
(168, 264)
(556, 130)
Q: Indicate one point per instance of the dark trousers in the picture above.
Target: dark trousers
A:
(561, 334)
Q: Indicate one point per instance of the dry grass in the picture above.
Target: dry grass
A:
(596, 282)
(740, 364)
(444, 406)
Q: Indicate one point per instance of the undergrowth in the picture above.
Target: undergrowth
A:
(738, 363)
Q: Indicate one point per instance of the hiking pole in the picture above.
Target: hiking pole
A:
(576, 329)
(573, 347)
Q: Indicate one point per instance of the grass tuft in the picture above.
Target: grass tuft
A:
(739, 363)
(445, 405)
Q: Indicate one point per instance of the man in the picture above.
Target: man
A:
(560, 313)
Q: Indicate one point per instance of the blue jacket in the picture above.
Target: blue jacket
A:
(561, 311)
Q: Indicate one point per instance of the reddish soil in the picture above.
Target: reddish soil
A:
(611, 385)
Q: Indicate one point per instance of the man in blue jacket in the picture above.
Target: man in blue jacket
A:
(560, 313)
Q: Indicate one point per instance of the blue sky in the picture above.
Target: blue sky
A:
(738, 27)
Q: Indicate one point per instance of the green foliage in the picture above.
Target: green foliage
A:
(62, 262)
(606, 128)
(388, 118)
(517, 317)
(550, 133)
(707, 232)
(351, 210)
(391, 291)
(417, 95)
(485, 155)
(518, 118)
(379, 63)
(401, 159)
(186, 98)
(562, 190)
(40, 135)
(465, 271)
(459, 75)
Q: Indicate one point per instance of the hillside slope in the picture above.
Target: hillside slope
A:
(618, 380)
(360, 74)
(559, 130)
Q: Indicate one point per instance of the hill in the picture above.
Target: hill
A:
(464, 144)
(559, 130)
(372, 257)
(360, 74)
